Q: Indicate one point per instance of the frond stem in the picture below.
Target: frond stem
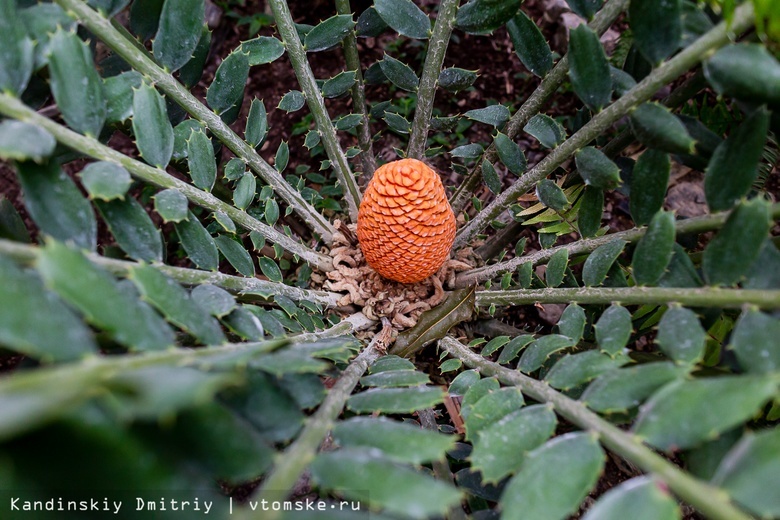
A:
(254, 288)
(367, 157)
(142, 62)
(426, 92)
(683, 227)
(297, 55)
(13, 107)
(699, 297)
(551, 82)
(711, 501)
(681, 63)
(297, 457)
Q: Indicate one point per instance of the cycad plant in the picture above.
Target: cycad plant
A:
(146, 375)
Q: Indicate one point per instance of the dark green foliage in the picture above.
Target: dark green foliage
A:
(75, 83)
(499, 448)
(132, 228)
(16, 56)
(648, 185)
(485, 16)
(585, 8)
(656, 127)
(328, 33)
(181, 134)
(455, 79)
(397, 440)
(546, 129)
(339, 84)
(108, 7)
(370, 24)
(256, 123)
(685, 413)
(745, 71)
(532, 492)
(734, 164)
(572, 322)
(399, 73)
(235, 254)
(747, 225)
(400, 124)
(404, 17)
(591, 210)
(201, 160)
(589, 69)
(621, 390)
(61, 336)
(600, 261)
(541, 349)
(105, 180)
(494, 115)
(597, 169)
(56, 205)
(101, 300)
(395, 400)
(213, 300)
(11, 224)
(282, 156)
(292, 101)
(657, 27)
(176, 305)
(490, 176)
(556, 268)
(145, 17)
(178, 32)
(745, 469)
(680, 335)
(641, 495)
(336, 470)
(754, 342)
(764, 273)
(680, 272)
(510, 153)
(152, 129)
(192, 71)
(468, 151)
(171, 205)
(197, 243)
(530, 45)
(263, 49)
(270, 269)
(622, 81)
(576, 369)
(227, 89)
(41, 21)
(551, 195)
(24, 142)
(490, 408)
(613, 329)
(244, 193)
(654, 251)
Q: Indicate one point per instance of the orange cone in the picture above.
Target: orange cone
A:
(405, 224)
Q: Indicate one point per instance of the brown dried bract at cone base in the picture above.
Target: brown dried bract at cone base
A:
(378, 296)
(405, 224)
